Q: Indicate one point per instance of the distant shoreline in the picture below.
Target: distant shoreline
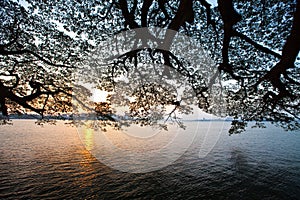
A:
(65, 117)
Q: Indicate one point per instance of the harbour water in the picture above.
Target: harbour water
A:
(52, 162)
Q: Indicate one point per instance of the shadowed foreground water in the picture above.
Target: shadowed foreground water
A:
(52, 163)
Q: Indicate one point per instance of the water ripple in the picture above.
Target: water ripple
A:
(51, 163)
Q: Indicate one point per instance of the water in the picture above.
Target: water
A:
(51, 163)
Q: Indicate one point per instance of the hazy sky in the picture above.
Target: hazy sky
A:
(213, 2)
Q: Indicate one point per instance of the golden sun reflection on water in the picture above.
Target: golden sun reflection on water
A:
(134, 139)
(86, 174)
(89, 139)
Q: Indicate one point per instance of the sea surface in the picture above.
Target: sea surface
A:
(54, 162)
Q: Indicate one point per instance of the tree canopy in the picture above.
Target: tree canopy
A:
(254, 45)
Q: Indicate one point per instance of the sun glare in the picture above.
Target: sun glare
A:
(99, 95)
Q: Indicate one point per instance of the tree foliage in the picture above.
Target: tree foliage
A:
(255, 45)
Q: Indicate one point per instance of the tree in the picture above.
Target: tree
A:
(255, 45)
(37, 62)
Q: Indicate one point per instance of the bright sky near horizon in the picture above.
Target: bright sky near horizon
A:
(213, 2)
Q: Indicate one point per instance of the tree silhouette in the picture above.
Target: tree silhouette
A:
(255, 46)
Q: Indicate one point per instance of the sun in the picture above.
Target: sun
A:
(99, 96)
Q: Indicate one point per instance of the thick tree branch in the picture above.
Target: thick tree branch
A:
(184, 14)
(229, 17)
(145, 9)
(7, 93)
(208, 14)
(129, 17)
(289, 54)
(256, 45)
